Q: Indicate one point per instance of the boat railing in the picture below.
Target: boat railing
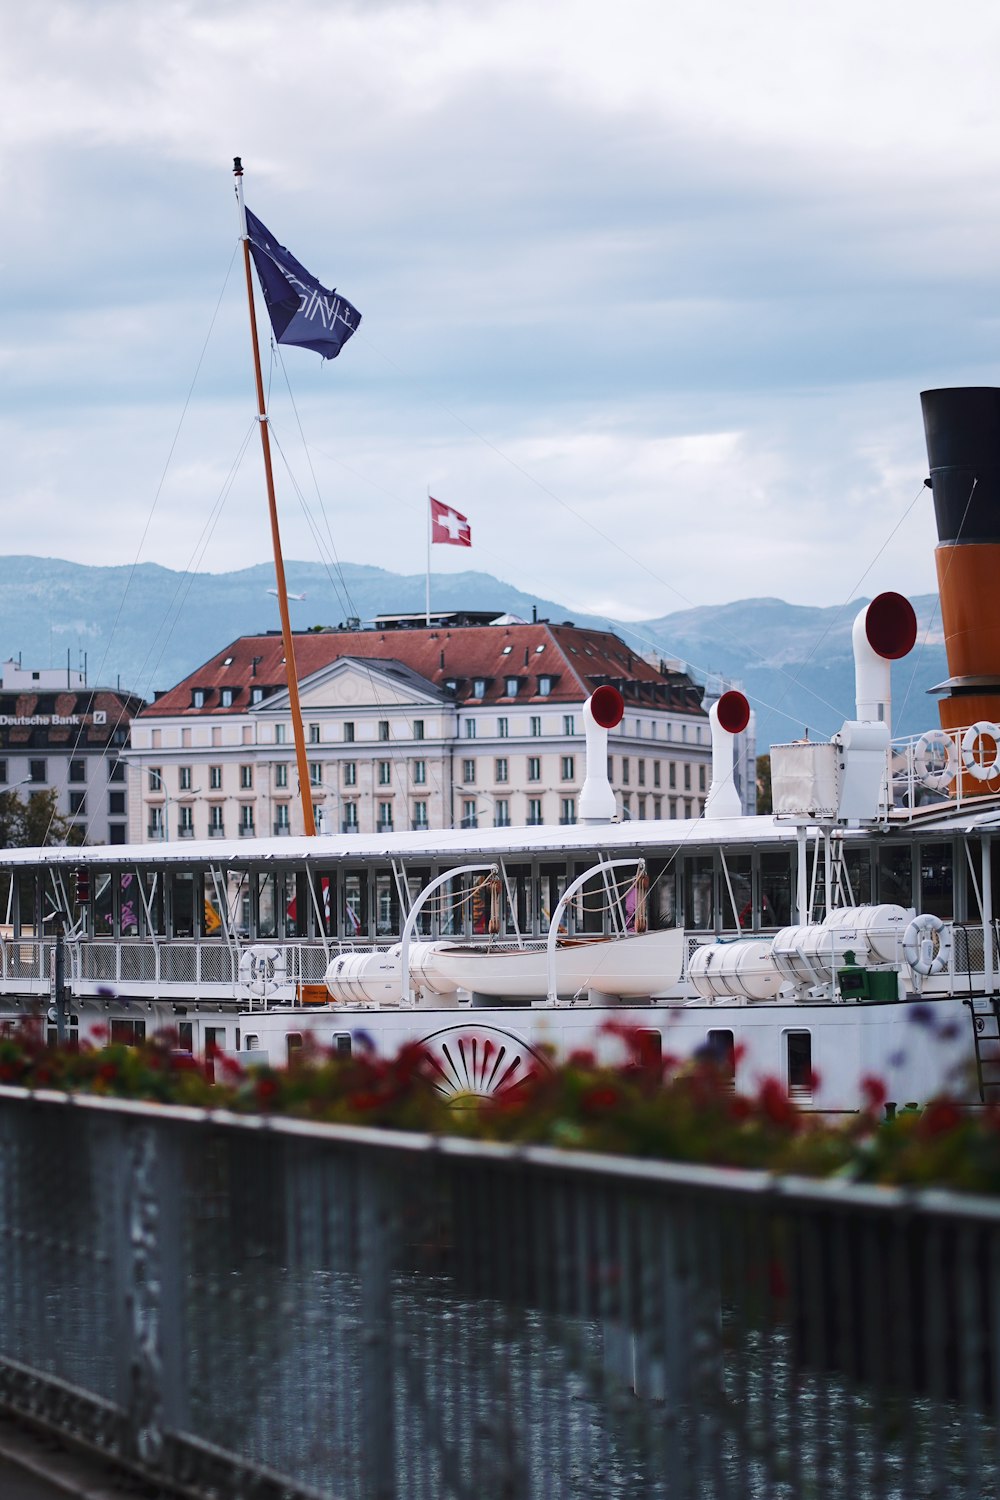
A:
(944, 766)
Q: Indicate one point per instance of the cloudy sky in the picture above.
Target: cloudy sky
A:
(649, 291)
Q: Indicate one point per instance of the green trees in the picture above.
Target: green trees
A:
(32, 822)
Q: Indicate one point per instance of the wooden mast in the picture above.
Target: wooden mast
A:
(305, 789)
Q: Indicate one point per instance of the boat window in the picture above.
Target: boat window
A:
(342, 1043)
(387, 921)
(858, 870)
(128, 897)
(736, 892)
(27, 902)
(154, 902)
(293, 1045)
(895, 874)
(416, 880)
(699, 897)
(182, 908)
(6, 904)
(127, 1032)
(775, 889)
(185, 1036)
(650, 1047)
(104, 912)
(663, 893)
(937, 879)
(355, 913)
(590, 904)
(266, 912)
(519, 919)
(551, 884)
(251, 1042)
(798, 1065)
(721, 1049)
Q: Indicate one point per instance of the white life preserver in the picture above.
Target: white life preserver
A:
(262, 970)
(981, 770)
(918, 944)
(935, 742)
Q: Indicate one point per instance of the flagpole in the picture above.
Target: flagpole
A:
(427, 595)
(305, 790)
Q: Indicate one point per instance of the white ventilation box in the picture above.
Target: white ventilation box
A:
(804, 780)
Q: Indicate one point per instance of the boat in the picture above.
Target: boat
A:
(850, 933)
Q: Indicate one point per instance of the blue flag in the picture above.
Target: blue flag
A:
(302, 312)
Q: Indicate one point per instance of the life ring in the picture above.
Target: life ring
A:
(918, 944)
(981, 770)
(935, 742)
(262, 970)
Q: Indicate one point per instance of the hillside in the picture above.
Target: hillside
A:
(150, 627)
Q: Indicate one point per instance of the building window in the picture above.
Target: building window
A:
(348, 732)
(350, 817)
(315, 773)
(246, 819)
(155, 779)
(385, 817)
(479, 687)
(350, 773)
(642, 772)
(544, 686)
(314, 734)
(184, 778)
(246, 777)
(418, 729)
(186, 826)
(625, 770)
(656, 773)
(215, 822)
(641, 807)
(36, 770)
(469, 771)
(215, 778)
(534, 810)
(280, 733)
(3, 770)
(672, 777)
(534, 768)
(569, 724)
(657, 807)
(510, 685)
(469, 817)
(77, 770)
(501, 729)
(568, 768)
(197, 697)
(501, 769)
(627, 806)
(280, 776)
(501, 813)
(688, 812)
(420, 772)
(116, 771)
(116, 833)
(281, 823)
(156, 822)
(470, 729)
(672, 801)
(116, 803)
(568, 810)
(536, 725)
(226, 698)
(77, 803)
(420, 814)
(385, 772)
(687, 778)
(701, 778)
(383, 729)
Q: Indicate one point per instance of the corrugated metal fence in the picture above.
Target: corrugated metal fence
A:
(280, 1310)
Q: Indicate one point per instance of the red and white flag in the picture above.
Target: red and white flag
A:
(449, 526)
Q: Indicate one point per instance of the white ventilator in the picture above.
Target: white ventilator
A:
(728, 718)
(601, 712)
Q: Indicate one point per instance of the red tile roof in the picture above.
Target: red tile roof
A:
(576, 660)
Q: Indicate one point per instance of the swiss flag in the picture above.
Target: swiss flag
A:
(449, 526)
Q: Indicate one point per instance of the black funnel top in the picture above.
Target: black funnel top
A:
(962, 427)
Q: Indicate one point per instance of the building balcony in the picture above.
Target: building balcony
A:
(185, 833)
(216, 831)
(502, 820)
(470, 823)
(384, 828)
(154, 831)
(247, 831)
(419, 825)
(282, 830)
(348, 827)
(565, 822)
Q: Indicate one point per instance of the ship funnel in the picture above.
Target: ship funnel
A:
(728, 717)
(884, 631)
(601, 712)
(962, 427)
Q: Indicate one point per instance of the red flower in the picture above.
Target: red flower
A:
(597, 1101)
(873, 1091)
(776, 1105)
(940, 1116)
(265, 1089)
(581, 1058)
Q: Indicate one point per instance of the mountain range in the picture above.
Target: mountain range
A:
(146, 627)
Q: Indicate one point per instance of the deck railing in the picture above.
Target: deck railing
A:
(242, 1307)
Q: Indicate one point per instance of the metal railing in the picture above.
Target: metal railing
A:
(269, 1309)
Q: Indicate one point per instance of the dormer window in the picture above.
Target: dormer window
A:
(257, 695)
(544, 686)
(226, 698)
(450, 683)
(197, 697)
(510, 687)
(479, 687)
